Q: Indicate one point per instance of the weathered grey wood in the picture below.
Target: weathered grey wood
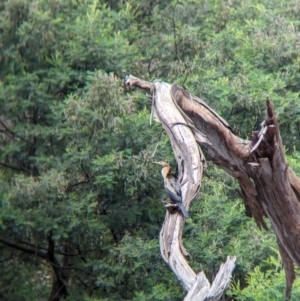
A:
(184, 138)
(269, 187)
(278, 192)
(190, 170)
(202, 290)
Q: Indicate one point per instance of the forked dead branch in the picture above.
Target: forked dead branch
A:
(269, 187)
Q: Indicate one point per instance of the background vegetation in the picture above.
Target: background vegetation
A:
(76, 175)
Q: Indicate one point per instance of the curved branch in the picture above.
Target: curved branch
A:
(269, 187)
(184, 137)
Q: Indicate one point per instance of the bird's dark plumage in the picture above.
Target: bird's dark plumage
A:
(172, 186)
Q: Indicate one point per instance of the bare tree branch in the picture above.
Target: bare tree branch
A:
(184, 137)
(269, 187)
(131, 81)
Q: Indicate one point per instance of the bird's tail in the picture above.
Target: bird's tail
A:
(183, 211)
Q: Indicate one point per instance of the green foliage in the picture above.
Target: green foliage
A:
(233, 55)
(76, 149)
(264, 285)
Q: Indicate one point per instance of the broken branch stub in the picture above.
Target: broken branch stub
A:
(278, 192)
(184, 139)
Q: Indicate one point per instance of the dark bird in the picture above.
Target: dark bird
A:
(172, 186)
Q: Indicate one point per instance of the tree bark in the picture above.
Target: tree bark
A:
(269, 187)
(61, 273)
(184, 138)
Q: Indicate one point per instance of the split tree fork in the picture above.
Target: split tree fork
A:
(269, 187)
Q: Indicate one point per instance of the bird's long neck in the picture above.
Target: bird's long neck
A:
(166, 171)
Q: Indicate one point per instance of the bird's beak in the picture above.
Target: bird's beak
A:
(162, 163)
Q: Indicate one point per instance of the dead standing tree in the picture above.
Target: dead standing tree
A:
(269, 187)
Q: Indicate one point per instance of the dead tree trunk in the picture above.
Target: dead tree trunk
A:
(268, 185)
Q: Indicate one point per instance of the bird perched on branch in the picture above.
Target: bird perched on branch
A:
(172, 186)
